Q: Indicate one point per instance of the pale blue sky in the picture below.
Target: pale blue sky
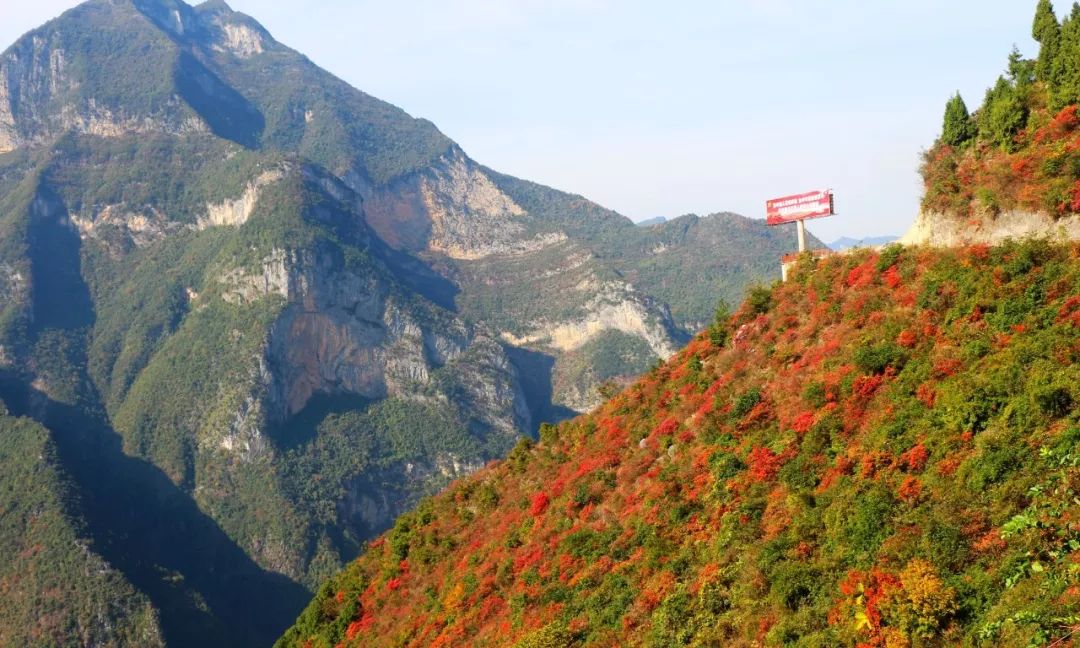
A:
(667, 108)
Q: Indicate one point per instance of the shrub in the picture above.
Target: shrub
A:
(760, 300)
(876, 358)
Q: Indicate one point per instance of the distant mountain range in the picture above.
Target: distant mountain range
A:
(846, 242)
(254, 314)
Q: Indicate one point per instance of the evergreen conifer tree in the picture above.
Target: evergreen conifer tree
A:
(1065, 87)
(1021, 70)
(1047, 31)
(958, 128)
(1003, 114)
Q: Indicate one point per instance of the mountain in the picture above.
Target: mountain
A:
(846, 242)
(259, 313)
(655, 220)
(881, 451)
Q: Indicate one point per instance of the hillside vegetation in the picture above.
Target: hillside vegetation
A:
(880, 452)
(57, 590)
(1020, 150)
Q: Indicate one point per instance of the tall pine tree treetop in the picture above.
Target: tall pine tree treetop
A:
(1047, 31)
(958, 128)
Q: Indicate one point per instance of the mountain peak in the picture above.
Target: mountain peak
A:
(215, 6)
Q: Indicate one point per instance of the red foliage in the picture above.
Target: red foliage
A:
(907, 339)
(926, 394)
(1063, 123)
(947, 367)
(527, 559)
(871, 462)
(614, 431)
(666, 427)
(764, 464)
(803, 422)
(1022, 167)
(872, 587)
(844, 466)
(978, 251)
(356, 627)
(865, 386)
(862, 275)
(799, 354)
(891, 277)
(910, 489)
(804, 550)
(539, 504)
(1070, 311)
(948, 465)
(760, 412)
(915, 459)
(990, 543)
(1074, 202)
(591, 465)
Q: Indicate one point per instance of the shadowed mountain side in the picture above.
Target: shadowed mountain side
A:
(206, 589)
(535, 370)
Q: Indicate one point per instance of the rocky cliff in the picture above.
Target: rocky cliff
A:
(989, 229)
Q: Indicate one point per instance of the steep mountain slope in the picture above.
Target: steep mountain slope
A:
(879, 452)
(57, 590)
(261, 313)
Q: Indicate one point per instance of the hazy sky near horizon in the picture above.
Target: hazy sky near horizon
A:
(698, 106)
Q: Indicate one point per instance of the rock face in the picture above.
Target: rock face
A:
(470, 217)
(347, 332)
(238, 211)
(241, 40)
(142, 228)
(610, 310)
(452, 208)
(949, 231)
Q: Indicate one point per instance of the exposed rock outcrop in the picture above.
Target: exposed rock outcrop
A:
(273, 278)
(945, 231)
(615, 307)
(13, 284)
(345, 332)
(470, 217)
(453, 209)
(241, 40)
(237, 211)
(141, 227)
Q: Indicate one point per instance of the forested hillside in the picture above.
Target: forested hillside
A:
(57, 590)
(1020, 149)
(880, 452)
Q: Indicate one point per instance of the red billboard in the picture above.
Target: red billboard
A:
(812, 204)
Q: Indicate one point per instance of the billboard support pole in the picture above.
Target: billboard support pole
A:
(802, 235)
